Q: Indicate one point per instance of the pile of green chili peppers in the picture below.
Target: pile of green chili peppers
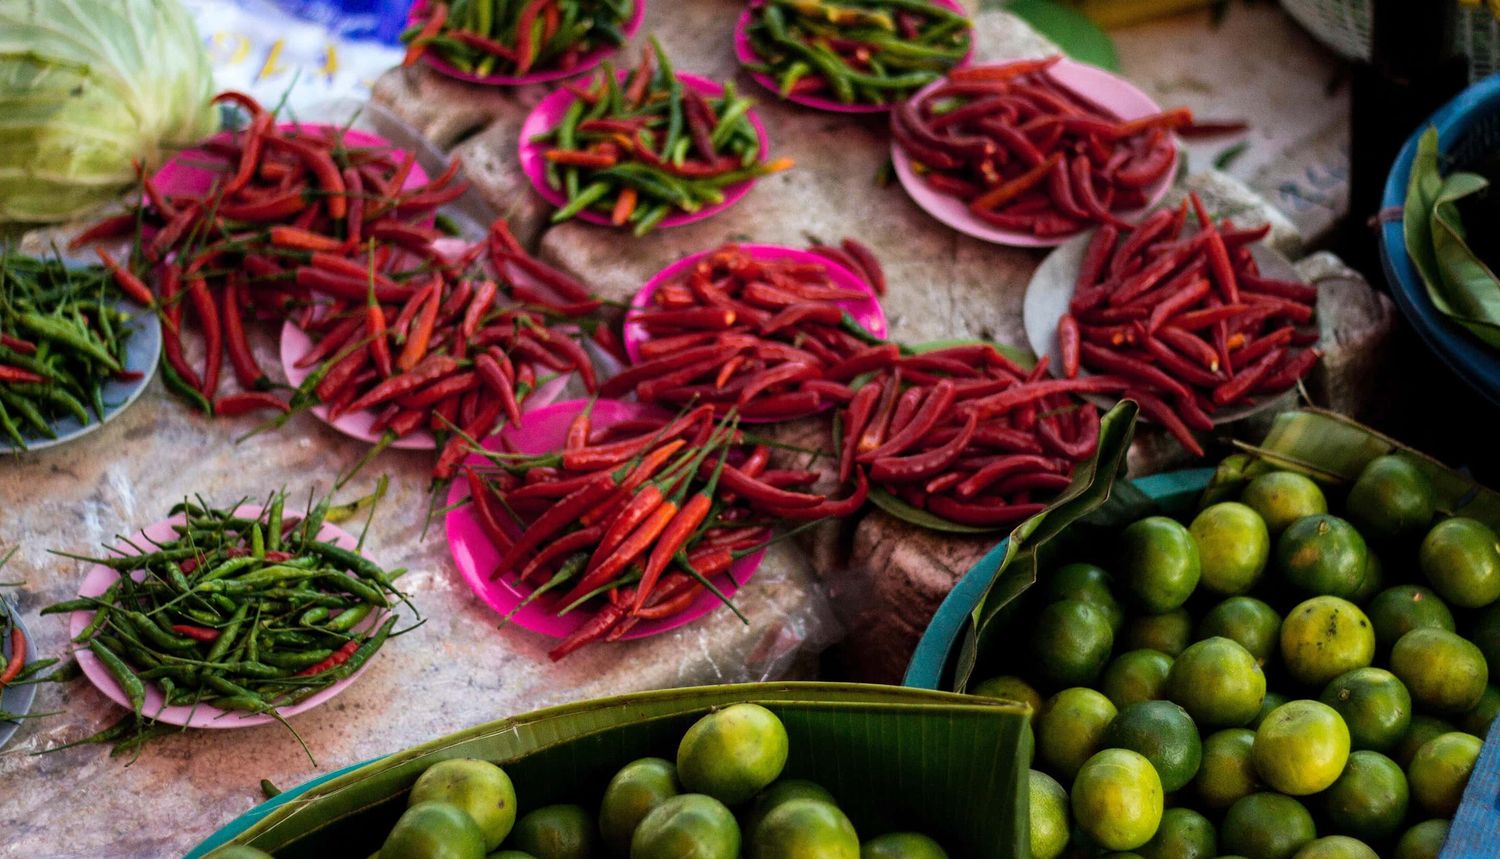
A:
(874, 52)
(243, 614)
(63, 333)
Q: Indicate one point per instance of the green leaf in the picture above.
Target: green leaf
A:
(1421, 195)
(948, 765)
(1470, 286)
(919, 517)
(1021, 356)
(1018, 566)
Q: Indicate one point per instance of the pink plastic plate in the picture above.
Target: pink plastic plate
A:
(585, 62)
(193, 171)
(98, 581)
(747, 56)
(294, 344)
(549, 112)
(1108, 89)
(543, 431)
(867, 311)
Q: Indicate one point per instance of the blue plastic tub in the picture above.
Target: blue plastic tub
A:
(1468, 128)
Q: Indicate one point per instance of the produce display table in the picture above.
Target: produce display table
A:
(457, 669)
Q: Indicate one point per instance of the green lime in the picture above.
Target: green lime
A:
(1373, 703)
(1460, 559)
(1479, 718)
(480, 788)
(1323, 554)
(1398, 610)
(1301, 747)
(1010, 688)
(434, 830)
(902, 845)
(635, 790)
(1049, 816)
(781, 791)
(687, 826)
(1266, 826)
(1183, 834)
(1140, 675)
(732, 753)
(1423, 841)
(1283, 497)
(554, 832)
(1085, 583)
(1272, 701)
(1159, 563)
(1444, 673)
(803, 829)
(1336, 847)
(1169, 632)
(1423, 728)
(1233, 546)
(1391, 498)
(1369, 798)
(1325, 637)
(1218, 682)
(1117, 799)
(1440, 770)
(1374, 580)
(1071, 643)
(1165, 735)
(1484, 631)
(1071, 729)
(1228, 769)
(1247, 620)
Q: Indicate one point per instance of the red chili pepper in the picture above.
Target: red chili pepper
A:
(16, 344)
(1020, 395)
(1288, 374)
(232, 405)
(436, 16)
(208, 320)
(1158, 411)
(1181, 367)
(923, 465)
(935, 407)
(339, 657)
(109, 228)
(983, 514)
(1290, 290)
(199, 633)
(17, 656)
(432, 368)
(132, 286)
(1197, 320)
(592, 630)
(17, 374)
(829, 508)
(492, 374)
(997, 469)
(1104, 360)
(556, 518)
(1247, 379)
(247, 370)
(1045, 168)
(1068, 344)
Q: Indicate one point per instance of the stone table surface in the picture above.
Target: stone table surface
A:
(458, 669)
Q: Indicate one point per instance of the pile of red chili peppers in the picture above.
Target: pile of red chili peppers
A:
(1187, 318)
(298, 224)
(644, 514)
(966, 434)
(1028, 153)
(767, 338)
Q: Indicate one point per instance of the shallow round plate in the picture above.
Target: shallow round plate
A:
(747, 56)
(15, 700)
(98, 580)
(542, 431)
(1051, 288)
(585, 62)
(1108, 89)
(866, 311)
(294, 344)
(141, 353)
(549, 112)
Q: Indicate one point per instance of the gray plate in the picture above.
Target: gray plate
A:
(141, 353)
(16, 699)
(1051, 289)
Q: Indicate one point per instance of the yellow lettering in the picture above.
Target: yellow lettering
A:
(271, 65)
(331, 62)
(229, 49)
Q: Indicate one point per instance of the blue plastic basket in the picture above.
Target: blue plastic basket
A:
(1468, 129)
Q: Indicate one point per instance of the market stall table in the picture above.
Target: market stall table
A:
(457, 669)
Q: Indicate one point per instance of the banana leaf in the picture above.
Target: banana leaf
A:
(1012, 567)
(951, 766)
(1333, 449)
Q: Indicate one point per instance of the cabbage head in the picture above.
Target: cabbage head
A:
(87, 87)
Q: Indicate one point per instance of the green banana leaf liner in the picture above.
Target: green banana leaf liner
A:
(897, 759)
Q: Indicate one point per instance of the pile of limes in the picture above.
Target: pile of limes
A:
(724, 798)
(1268, 674)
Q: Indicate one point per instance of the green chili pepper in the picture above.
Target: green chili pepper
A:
(134, 689)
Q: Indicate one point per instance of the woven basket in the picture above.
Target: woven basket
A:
(1344, 26)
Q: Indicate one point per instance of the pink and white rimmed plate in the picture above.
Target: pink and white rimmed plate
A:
(549, 113)
(585, 62)
(745, 53)
(1107, 89)
(540, 432)
(866, 311)
(98, 580)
